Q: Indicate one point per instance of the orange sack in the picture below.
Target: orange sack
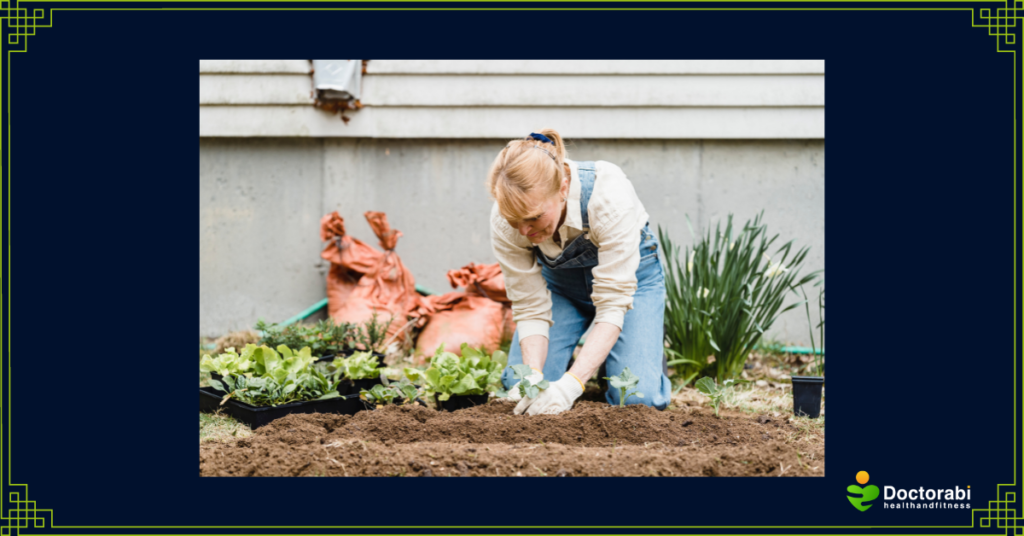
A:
(480, 316)
(362, 280)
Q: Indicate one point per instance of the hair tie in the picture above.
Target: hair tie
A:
(541, 137)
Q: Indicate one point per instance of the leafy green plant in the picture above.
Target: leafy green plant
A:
(625, 381)
(324, 338)
(712, 390)
(358, 366)
(229, 362)
(819, 357)
(387, 392)
(450, 374)
(277, 377)
(726, 294)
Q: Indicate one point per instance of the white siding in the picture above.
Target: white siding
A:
(502, 99)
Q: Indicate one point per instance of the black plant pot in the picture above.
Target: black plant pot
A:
(353, 387)
(807, 396)
(456, 402)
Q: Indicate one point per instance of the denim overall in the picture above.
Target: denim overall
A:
(571, 282)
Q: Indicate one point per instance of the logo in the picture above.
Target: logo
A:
(866, 494)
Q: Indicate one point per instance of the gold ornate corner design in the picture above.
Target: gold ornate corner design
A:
(21, 513)
(1002, 24)
(1002, 513)
(19, 24)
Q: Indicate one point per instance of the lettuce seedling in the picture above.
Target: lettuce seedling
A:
(528, 389)
(716, 393)
(625, 381)
(358, 366)
(277, 377)
(450, 374)
(387, 393)
(230, 362)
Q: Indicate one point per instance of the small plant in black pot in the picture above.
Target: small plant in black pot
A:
(807, 390)
(361, 369)
(460, 382)
(400, 393)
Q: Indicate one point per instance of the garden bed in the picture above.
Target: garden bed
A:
(592, 439)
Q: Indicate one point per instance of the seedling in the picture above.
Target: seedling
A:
(625, 381)
(358, 366)
(273, 377)
(528, 389)
(324, 338)
(712, 390)
(387, 393)
(373, 333)
(450, 374)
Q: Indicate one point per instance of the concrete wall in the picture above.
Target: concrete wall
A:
(263, 199)
(260, 203)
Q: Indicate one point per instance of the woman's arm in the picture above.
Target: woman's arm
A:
(600, 341)
(525, 287)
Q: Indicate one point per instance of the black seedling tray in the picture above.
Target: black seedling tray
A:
(457, 402)
(255, 417)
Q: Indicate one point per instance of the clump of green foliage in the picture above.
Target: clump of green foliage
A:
(388, 392)
(358, 366)
(229, 362)
(712, 390)
(372, 334)
(323, 338)
(726, 294)
(449, 374)
(624, 382)
(276, 377)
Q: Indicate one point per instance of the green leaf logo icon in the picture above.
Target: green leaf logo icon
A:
(866, 494)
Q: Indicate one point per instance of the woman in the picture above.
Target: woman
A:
(575, 247)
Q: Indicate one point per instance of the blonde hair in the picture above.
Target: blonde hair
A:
(526, 167)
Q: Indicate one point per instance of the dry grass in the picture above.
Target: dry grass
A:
(220, 428)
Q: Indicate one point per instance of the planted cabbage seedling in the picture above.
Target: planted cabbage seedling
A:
(713, 391)
(526, 387)
(625, 381)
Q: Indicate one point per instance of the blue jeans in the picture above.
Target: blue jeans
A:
(641, 345)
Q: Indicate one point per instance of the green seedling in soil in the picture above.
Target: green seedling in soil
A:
(625, 381)
(449, 374)
(358, 366)
(528, 389)
(712, 390)
(277, 377)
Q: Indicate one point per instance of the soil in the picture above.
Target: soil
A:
(592, 439)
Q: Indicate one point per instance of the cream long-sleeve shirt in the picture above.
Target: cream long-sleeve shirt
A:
(616, 217)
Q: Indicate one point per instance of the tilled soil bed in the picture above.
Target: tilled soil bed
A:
(592, 439)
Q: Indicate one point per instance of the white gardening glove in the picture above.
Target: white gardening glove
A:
(557, 398)
(513, 393)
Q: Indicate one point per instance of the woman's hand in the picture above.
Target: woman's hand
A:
(557, 398)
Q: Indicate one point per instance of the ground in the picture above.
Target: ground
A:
(755, 435)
